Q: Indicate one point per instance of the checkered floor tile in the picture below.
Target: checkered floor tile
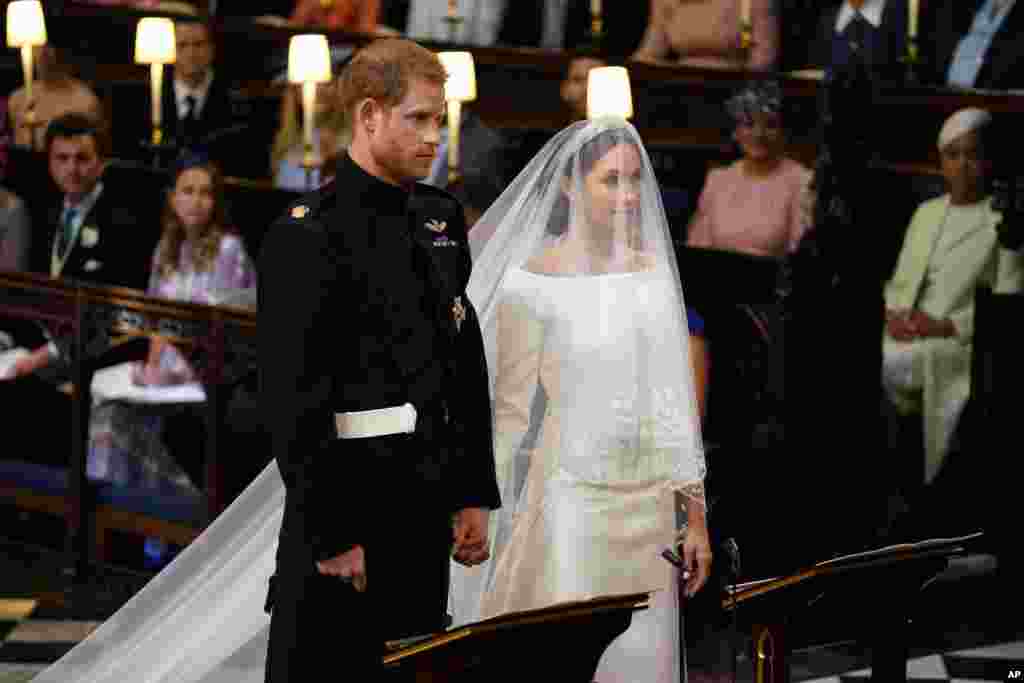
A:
(1001, 662)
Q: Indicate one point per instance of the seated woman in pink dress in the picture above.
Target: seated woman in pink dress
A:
(758, 204)
(197, 259)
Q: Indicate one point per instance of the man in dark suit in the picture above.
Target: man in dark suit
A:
(976, 44)
(876, 30)
(97, 234)
(363, 308)
(196, 99)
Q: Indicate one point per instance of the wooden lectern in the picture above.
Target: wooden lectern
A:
(876, 584)
(561, 643)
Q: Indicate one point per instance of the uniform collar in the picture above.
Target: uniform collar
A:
(351, 177)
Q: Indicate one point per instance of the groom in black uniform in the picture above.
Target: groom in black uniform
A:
(363, 308)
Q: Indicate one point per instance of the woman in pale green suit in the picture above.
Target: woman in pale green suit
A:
(949, 250)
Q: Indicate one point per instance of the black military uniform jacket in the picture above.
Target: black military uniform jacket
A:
(363, 306)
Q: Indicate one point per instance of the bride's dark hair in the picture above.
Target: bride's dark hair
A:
(589, 154)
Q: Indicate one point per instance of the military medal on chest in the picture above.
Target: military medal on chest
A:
(458, 313)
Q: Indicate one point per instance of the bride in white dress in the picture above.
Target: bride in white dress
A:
(577, 291)
(580, 302)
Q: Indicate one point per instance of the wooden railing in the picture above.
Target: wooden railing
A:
(220, 341)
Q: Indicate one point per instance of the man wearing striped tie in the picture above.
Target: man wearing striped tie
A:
(98, 235)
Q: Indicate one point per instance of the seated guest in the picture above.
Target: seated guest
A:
(15, 232)
(54, 92)
(949, 250)
(196, 99)
(706, 33)
(97, 235)
(330, 134)
(574, 86)
(340, 15)
(757, 204)
(875, 30)
(197, 259)
(977, 44)
(480, 21)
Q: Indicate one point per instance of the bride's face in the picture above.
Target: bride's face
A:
(612, 191)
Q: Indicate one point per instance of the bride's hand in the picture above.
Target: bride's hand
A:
(696, 552)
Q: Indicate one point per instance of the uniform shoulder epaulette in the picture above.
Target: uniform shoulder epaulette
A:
(310, 205)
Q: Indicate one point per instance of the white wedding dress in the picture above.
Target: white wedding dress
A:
(597, 503)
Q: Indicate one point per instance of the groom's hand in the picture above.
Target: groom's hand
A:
(350, 566)
(471, 545)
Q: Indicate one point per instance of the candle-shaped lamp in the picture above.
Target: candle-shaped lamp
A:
(26, 28)
(460, 87)
(309, 63)
(154, 45)
(609, 93)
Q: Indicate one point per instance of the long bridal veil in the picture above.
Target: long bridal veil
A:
(201, 619)
(590, 371)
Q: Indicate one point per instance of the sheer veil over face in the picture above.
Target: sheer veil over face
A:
(579, 298)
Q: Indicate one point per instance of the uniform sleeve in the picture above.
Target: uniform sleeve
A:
(296, 314)
(476, 484)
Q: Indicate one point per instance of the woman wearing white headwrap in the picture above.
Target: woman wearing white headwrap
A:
(949, 250)
(581, 307)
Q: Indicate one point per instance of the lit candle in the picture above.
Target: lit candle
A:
(595, 7)
(744, 13)
(912, 7)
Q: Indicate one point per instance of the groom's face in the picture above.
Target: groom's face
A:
(612, 190)
(405, 137)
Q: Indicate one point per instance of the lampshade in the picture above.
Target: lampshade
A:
(608, 93)
(25, 23)
(154, 41)
(309, 59)
(461, 83)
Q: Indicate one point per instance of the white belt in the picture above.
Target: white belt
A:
(379, 422)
